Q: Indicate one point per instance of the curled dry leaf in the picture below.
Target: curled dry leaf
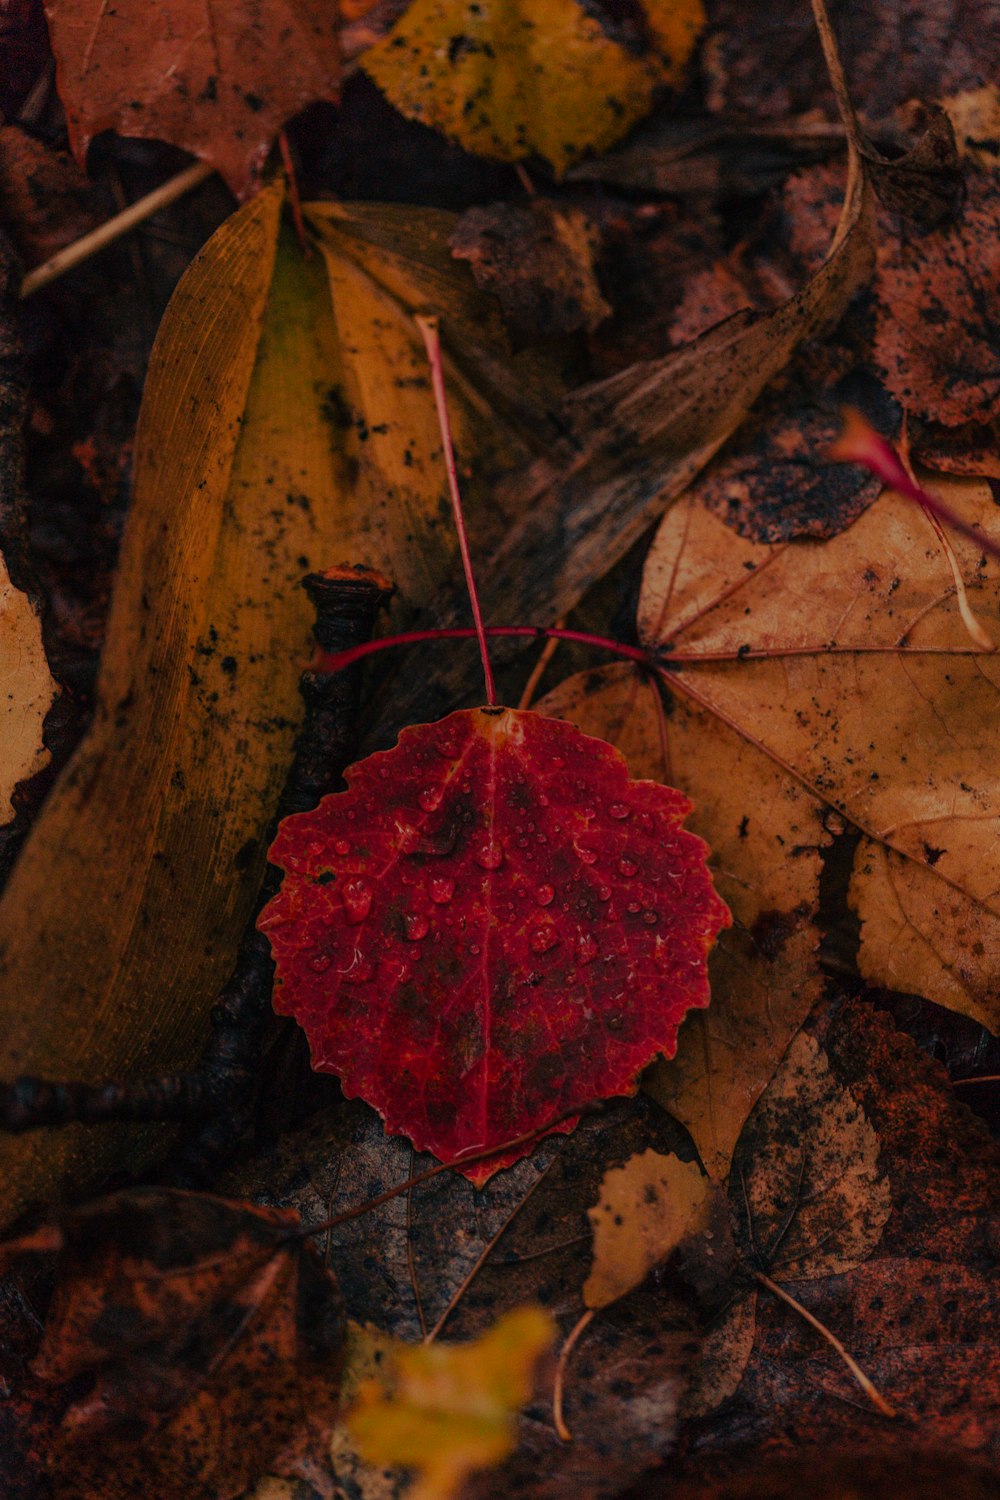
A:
(219, 86)
(194, 1342)
(645, 1210)
(506, 77)
(492, 928)
(762, 972)
(444, 1411)
(287, 404)
(845, 668)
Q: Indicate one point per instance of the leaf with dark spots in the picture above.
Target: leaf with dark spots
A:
(543, 953)
(937, 339)
(538, 260)
(218, 85)
(193, 1342)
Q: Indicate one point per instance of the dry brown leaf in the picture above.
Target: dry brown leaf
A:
(538, 260)
(763, 973)
(944, 280)
(846, 669)
(219, 83)
(287, 423)
(645, 1209)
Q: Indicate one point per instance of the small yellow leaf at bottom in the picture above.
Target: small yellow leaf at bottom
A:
(445, 1410)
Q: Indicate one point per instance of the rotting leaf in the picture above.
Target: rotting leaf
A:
(789, 649)
(448, 1410)
(508, 77)
(287, 421)
(220, 86)
(538, 259)
(762, 972)
(513, 929)
(645, 1210)
(464, 1256)
(944, 279)
(194, 1343)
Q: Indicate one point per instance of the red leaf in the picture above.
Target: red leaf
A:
(493, 927)
(219, 82)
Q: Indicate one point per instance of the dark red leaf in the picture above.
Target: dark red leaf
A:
(493, 927)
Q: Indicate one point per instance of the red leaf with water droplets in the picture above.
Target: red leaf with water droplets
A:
(493, 927)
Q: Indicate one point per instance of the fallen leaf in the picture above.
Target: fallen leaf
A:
(975, 118)
(527, 924)
(287, 423)
(919, 1314)
(447, 1410)
(538, 259)
(808, 1199)
(46, 202)
(645, 1210)
(837, 1473)
(195, 1341)
(762, 972)
(28, 692)
(767, 63)
(505, 78)
(788, 648)
(218, 85)
(467, 1255)
(943, 278)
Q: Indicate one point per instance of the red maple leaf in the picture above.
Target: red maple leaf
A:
(493, 927)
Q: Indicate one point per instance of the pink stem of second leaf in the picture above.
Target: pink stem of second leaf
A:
(338, 660)
(432, 343)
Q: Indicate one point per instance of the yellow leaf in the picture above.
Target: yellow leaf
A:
(447, 1410)
(287, 424)
(645, 1209)
(508, 77)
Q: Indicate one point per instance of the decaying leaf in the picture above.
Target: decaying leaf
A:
(944, 279)
(453, 1258)
(538, 259)
(762, 972)
(645, 1210)
(287, 424)
(493, 927)
(846, 668)
(919, 1313)
(221, 86)
(194, 1341)
(447, 1410)
(807, 1196)
(508, 77)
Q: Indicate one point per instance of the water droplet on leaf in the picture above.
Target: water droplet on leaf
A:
(441, 889)
(544, 895)
(357, 900)
(627, 867)
(417, 926)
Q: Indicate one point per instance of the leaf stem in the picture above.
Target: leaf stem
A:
(432, 343)
(563, 1431)
(879, 1403)
(337, 661)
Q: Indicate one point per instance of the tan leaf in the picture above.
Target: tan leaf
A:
(846, 667)
(27, 690)
(508, 77)
(645, 1210)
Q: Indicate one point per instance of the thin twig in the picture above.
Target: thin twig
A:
(143, 208)
(538, 670)
(879, 1403)
(557, 1389)
(432, 343)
